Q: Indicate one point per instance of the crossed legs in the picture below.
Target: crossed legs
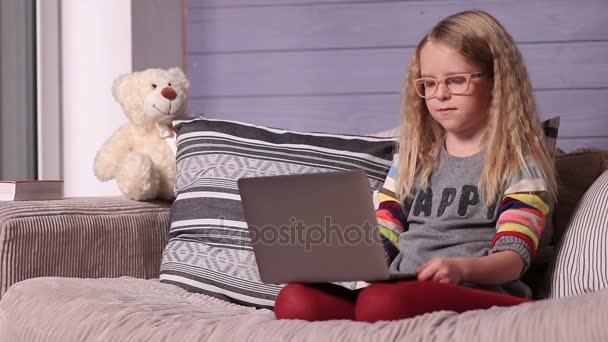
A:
(382, 301)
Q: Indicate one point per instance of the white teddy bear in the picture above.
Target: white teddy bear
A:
(141, 154)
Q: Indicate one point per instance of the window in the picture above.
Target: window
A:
(18, 145)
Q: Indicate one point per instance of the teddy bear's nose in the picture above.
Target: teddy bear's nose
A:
(168, 93)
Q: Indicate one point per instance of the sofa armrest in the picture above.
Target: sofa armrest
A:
(81, 237)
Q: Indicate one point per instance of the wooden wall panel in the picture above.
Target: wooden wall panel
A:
(337, 66)
(551, 66)
(285, 25)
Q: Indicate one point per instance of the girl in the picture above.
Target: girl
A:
(465, 201)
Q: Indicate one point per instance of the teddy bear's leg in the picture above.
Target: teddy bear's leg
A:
(136, 177)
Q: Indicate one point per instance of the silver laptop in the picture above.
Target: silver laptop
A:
(313, 228)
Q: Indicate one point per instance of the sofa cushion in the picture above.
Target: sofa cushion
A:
(573, 182)
(209, 250)
(551, 128)
(581, 265)
(126, 309)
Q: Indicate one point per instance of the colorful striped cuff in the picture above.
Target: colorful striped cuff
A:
(513, 242)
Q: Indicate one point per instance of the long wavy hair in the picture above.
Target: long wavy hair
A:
(513, 136)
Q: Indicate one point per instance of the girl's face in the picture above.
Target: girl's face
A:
(465, 115)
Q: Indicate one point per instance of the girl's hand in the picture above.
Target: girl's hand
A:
(443, 270)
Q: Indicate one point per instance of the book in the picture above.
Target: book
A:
(30, 190)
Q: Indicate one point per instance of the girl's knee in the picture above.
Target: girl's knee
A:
(382, 301)
(395, 300)
(293, 302)
(310, 303)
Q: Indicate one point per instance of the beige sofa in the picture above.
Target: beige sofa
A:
(47, 249)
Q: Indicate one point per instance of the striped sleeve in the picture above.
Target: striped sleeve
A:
(522, 217)
(390, 214)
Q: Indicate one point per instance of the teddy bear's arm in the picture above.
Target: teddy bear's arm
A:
(111, 154)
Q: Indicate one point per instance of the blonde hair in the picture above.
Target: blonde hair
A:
(513, 136)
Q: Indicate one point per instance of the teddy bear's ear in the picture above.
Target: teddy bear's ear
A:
(179, 75)
(118, 82)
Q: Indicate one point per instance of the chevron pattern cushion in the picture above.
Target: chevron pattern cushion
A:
(209, 249)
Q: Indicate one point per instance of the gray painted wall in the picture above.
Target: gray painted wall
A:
(157, 34)
(337, 66)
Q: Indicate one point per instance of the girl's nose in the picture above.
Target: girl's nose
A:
(442, 92)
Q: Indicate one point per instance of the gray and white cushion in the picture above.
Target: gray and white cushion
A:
(209, 249)
(581, 265)
(550, 129)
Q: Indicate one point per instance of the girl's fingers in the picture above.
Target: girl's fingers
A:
(427, 273)
(425, 266)
(421, 270)
(422, 267)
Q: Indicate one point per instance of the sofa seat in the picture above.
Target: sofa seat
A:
(130, 309)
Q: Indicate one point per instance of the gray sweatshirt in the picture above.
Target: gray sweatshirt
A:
(450, 219)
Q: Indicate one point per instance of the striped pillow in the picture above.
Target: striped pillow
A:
(581, 265)
(550, 128)
(209, 249)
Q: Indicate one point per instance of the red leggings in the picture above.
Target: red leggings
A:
(382, 301)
